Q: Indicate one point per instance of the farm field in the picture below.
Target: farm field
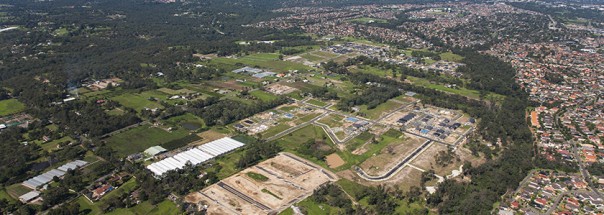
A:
(11, 106)
(140, 138)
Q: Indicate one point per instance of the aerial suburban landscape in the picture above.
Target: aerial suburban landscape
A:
(301, 107)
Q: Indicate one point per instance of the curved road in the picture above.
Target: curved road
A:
(396, 168)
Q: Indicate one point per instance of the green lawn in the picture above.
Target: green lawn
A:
(315, 208)
(263, 60)
(52, 145)
(262, 95)
(140, 138)
(11, 106)
(449, 56)
(288, 211)
(4, 195)
(317, 102)
(257, 176)
(275, 130)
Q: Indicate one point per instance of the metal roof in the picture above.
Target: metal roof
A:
(196, 156)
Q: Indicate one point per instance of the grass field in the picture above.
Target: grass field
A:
(474, 94)
(293, 141)
(317, 102)
(228, 164)
(137, 101)
(4, 195)
(140, 138)
(52, 145)
(383, 108)
(185, 118)
(11, 106)
(315, 208)
(275, 130)
(263, 60)
(332, 120)
(262, 95)
(311, 57)
(372, 70)
(353, 189)
(353, 159)
(257, 176)
(449, 56)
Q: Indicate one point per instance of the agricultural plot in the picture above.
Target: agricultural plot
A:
(261, 189)
(140, 138)
(11, 106)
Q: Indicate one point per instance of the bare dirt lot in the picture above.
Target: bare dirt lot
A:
(268, 187)
(334, 161)
(427, 160)
(404, 179)
(390, 155)
(207, 136)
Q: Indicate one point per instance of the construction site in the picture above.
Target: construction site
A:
(267, 188)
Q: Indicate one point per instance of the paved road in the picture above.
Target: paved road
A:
(396, 168)
(584, 172)
(292, 129)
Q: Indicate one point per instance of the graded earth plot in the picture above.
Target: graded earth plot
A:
(269, 187)
(390, 155)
